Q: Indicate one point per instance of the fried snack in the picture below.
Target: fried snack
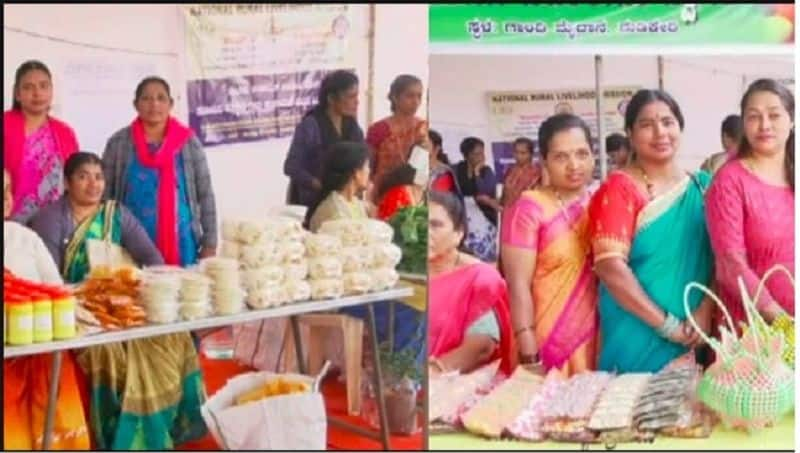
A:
(110, 296)
(272, 388)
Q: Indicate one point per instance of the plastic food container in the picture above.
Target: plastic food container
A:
(20, 319)
(42, 317)
(64, 326)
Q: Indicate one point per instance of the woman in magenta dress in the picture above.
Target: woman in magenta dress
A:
(468, 316)
(35, 145)
(750, 205)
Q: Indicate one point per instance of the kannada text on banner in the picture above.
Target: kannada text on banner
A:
(255, 69)
(616, 24)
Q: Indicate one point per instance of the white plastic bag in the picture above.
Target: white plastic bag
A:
(286, 422)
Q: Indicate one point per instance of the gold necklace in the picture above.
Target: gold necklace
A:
(648, 184)
(562, 205)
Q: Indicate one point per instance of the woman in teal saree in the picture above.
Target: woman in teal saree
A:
(145, 394)
(649, 241)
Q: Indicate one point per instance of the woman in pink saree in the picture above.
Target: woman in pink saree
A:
(546, 255)
(468, 306)
(750, 205)
(35, 145)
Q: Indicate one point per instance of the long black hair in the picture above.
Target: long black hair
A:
(557, 123)
(787, 99)
(436, 140)
(22, 71)
(334, 85)
(341, 163)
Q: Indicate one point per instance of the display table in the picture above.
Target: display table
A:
(779, 437)
(419, 301)
(290, 310)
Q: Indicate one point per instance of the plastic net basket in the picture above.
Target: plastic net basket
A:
(749, 385)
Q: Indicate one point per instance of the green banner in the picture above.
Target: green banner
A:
(611, 24)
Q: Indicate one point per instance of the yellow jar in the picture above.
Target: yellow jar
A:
(63, 316)
(42, 318)
(20, 321)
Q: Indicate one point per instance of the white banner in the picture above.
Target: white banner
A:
(227, 40)
(514, 114)
(254, 70)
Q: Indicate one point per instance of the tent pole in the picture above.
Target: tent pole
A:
(371, 65)
(598, 99)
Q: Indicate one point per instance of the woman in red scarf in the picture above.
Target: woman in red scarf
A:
(468, 315)
(158, 169)
(35, 145)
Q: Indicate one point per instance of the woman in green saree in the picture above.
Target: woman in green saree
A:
(649, 241)
(145, 394)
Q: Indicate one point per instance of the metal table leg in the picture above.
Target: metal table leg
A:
(298, 345)
(301, 366)
(390, 329)
(52, 398)
(373, 333)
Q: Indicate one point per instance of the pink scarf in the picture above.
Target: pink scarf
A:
(14, 140)
(459, 298)
(163, 161)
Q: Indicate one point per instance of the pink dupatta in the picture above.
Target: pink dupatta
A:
(163, 160)
(459, 298)
(14, 141)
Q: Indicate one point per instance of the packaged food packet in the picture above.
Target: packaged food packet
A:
(694, 420)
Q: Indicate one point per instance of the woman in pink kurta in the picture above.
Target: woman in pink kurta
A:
(35, 145)
(750, 206)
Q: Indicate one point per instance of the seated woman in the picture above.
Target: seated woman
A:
(146, 394)
(26, 379)
(478, 184)
(468, 304)
(399, 190)
(345, 178)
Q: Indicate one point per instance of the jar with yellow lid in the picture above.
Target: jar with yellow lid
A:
(20, 320)
(64, 326)
(42, 317)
